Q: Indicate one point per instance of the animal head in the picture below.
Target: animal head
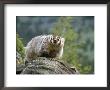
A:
(57, 40)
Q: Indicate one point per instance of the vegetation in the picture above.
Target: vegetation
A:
(20, 46)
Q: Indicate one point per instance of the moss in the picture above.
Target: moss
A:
(20, 46)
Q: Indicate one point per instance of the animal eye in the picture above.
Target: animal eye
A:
(50, 41)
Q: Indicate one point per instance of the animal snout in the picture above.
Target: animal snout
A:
(55, 41)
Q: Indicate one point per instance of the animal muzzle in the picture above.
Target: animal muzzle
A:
(55, 41)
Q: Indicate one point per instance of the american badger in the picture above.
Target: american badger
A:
(49, 46)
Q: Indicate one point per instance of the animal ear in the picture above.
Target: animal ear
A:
(63, 39)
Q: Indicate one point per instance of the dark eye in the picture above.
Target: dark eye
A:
(50, 41)
(58, 38)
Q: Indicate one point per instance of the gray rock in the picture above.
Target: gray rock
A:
(44, 65)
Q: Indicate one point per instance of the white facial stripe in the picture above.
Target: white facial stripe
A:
(50, 38)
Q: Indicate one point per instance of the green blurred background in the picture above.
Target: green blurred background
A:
(78, 32)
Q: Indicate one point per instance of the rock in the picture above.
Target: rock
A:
(19, 68)
(44, 65)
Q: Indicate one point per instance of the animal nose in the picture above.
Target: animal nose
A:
(55, 41)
